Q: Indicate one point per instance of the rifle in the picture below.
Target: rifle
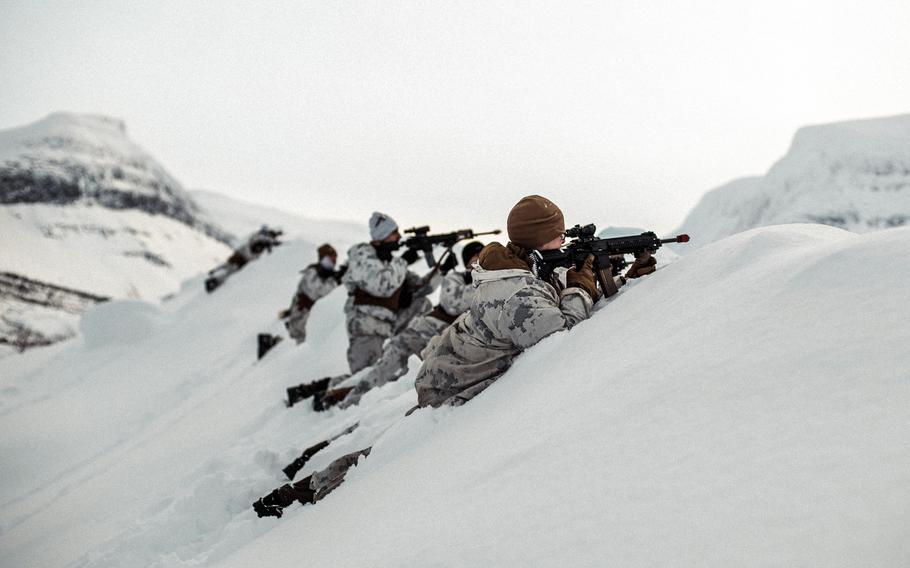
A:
(609, 254)
(423, 241)
(292, 468)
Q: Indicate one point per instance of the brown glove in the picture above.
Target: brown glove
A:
(583, 278)
(284, 313)
(644, 264)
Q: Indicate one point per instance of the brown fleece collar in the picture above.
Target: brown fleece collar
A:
(494, 256)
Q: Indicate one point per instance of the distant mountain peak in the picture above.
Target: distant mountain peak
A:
(68, 158)
(854, 175)
(115, 126)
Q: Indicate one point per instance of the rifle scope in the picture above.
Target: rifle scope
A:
(578, 232)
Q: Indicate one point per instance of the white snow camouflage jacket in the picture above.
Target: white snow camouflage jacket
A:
(456, 294)
(313, 285)
(367, 272)
(512, 310)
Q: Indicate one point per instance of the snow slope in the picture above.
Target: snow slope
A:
(120, 254)
(241, 218)
(85, 208)
(853, 175)
(747, 405)
(103, 252)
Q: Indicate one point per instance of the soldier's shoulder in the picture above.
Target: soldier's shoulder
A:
(361, 250)
(530, 287)
(454, 278)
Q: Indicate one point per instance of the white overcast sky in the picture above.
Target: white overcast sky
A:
(623, 112)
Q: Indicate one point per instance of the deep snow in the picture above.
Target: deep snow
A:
(746, 405)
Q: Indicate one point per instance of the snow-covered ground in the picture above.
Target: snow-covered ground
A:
(241, 218)
(747, 405)
(121, 254)
(85, 208)
(854, 175)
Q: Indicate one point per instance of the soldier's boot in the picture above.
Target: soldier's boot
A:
(265, 342)
(306, 390)
(296, 465)
(273, 504)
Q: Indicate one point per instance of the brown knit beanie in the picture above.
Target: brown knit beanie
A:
(326, 250)
(535, 221)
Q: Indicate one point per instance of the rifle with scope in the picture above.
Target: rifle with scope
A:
(609, 254)
(423, 241)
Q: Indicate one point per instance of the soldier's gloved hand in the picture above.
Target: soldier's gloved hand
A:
(410, 255)
(384, 253)
(644, 264)
(583, 277)
(448, 264)
(338, 274)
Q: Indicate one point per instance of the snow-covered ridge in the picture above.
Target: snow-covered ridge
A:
(746, 405)
(240, 218)
(67, 158)
(854, 175)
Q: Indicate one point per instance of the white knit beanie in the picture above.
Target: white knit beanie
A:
(381, 226)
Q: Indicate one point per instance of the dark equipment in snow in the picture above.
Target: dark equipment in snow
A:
(264, 342)
(296, 465)
(423, 241)
(609, 254)
(306, 390)
(327, 399)
(273, 504)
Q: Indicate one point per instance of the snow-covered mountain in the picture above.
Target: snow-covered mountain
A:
(853, 175)
(88, 159)
(662, 432)
(87, 214)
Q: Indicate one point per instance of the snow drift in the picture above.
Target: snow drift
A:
(853, 175)
(745, 405)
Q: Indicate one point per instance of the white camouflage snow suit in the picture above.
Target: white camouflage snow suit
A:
(315, 283)
(255, 245)
(454, 299)
(374, 308)
(512, 310)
